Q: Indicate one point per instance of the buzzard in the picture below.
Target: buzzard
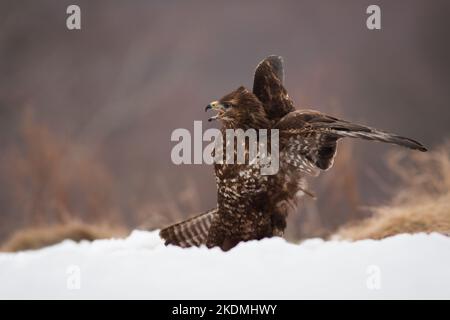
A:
(254, 206)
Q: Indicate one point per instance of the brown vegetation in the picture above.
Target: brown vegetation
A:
(63, 189)
(421, 204)
(51, 178)
(38, 237)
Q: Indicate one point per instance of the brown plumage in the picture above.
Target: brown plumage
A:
(254, 206)
(190, 232)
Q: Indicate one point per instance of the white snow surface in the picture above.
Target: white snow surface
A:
(141, 267)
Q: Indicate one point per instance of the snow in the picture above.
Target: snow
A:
(141, 267)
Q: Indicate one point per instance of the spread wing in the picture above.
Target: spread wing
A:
(268, 87)
(308, 139)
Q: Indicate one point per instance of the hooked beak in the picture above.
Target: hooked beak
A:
(217, 106)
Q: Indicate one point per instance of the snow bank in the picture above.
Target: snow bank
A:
(140, 266)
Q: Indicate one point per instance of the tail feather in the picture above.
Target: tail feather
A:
(191, 232)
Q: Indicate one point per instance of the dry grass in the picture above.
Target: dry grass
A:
(51, 178)
(422, 203)
(38, 237)
(337, 199)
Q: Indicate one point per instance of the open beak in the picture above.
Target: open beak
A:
(217, 106)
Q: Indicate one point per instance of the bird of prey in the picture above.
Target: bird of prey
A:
(255, 206)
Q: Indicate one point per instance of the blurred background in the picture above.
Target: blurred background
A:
(86, 116)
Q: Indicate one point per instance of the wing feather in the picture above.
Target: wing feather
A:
(309, 139)
(268, 87)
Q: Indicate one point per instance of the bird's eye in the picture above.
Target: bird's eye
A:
(227, 105)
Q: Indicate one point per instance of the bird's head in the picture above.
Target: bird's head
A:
(239, 109)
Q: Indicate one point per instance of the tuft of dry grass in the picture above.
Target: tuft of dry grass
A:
(37, 237)
(52, 177)
(422, 203)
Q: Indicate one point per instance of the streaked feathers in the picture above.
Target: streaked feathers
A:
(191, 232)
